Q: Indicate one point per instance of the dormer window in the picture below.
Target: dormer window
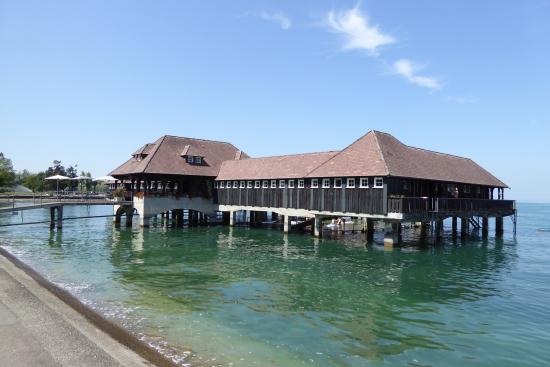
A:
(194, 159)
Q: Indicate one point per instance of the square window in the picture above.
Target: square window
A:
(290, 184)
(301, 184)
(256, 184)
(478, 190)
(315, 183)
(249, 184)
(222, 185)
(190, 159)
(273, 184)
(337, 183)
(198, 160)
(235, 184)
(378, 182)
(364, 183)
(243, 184)
(351, 183)
(282, 184)
(467, 189)
(265, 184)
(326, 183)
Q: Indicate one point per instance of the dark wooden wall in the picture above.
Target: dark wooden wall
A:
(358, 200)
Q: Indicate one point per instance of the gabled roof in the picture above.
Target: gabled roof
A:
(286, 166)
(381, 154)
(165, 157)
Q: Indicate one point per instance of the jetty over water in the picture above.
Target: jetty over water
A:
(377, 178)
(56, 207)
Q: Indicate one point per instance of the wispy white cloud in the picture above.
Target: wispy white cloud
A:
(462, 99)
(278, 18)
(358, 33)
(408, 70)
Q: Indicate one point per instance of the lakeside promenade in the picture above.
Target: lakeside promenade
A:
(38, 329)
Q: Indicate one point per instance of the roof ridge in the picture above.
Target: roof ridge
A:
(207, 140)
(423, 149)
(295, 154)
(380, 149)
(341, 151)
(153, 155)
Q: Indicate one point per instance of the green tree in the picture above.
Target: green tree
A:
(35, 182)
(7, 174)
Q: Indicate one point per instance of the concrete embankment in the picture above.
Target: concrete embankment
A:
(43, 325)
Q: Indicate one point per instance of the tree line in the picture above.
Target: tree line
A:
(36, 181)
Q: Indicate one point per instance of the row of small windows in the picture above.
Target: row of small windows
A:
(326, 183)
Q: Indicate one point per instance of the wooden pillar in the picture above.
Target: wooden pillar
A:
(391, 234)
(370, 230)
(130, 216)
(226, 218)
(318, 226)
(464, 226)
(423, 230)
(60, 217)
(232, 218)
(499, 226)
(485, 227)
(455, 226)
(286, 224)
(52, 218)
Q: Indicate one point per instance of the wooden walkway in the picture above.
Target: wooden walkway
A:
(54, 204)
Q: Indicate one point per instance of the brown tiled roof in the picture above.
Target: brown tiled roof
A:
(380, 154)
(146, 149)
(190, 150)
(164, 157)
(362, 158)
(286, 166)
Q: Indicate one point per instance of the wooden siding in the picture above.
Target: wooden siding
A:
(358, 200)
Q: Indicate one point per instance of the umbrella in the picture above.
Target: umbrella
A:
(81, 178)
(57, 178)
(105, 179)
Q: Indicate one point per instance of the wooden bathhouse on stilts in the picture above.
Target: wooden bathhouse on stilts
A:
(375, 179)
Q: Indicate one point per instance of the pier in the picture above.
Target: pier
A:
(56, 208)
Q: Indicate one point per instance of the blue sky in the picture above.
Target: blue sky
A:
(88, 82)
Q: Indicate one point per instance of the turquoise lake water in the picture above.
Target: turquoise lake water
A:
(255, 297)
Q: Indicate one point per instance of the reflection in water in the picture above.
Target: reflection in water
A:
(259, 297)
(358, 301)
